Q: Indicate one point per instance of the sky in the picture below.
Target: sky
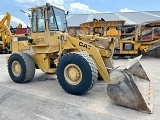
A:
(75, 7)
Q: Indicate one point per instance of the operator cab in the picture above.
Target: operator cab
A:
(48, 17)
(46, 22)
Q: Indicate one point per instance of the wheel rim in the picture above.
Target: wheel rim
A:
(16, 68)
(72, 74)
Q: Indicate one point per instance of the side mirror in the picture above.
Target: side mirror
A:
(48, 6)
(67, 13)
(29, 15)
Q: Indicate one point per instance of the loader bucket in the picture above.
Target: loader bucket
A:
(130, 87)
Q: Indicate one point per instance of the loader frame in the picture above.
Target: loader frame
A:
(48, 46)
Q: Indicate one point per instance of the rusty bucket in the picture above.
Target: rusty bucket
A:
(130, 86)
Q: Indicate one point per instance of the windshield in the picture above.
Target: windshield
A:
(57, 19)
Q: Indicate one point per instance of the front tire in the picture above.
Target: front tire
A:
(21, 67)
(77, 73)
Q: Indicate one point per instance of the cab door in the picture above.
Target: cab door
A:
(38, 33)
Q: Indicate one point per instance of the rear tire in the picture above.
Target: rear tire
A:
(77, 73)
(21, 67)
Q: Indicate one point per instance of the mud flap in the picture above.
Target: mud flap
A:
(130, 87)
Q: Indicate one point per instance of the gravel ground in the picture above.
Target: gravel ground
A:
(44, 99)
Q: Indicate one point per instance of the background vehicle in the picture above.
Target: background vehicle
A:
(7, 32)
(4, 37)
(139, 39)
(134, 39)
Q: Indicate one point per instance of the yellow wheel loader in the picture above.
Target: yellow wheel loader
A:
(4, 35)
(77, 62)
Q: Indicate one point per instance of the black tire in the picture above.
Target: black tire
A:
(88, 69)
(27, 67)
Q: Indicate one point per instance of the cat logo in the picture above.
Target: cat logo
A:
(84, 45)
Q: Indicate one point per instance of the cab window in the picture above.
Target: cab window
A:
(52, 20)
(38, 23)
(34, 22)
(40, 20)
